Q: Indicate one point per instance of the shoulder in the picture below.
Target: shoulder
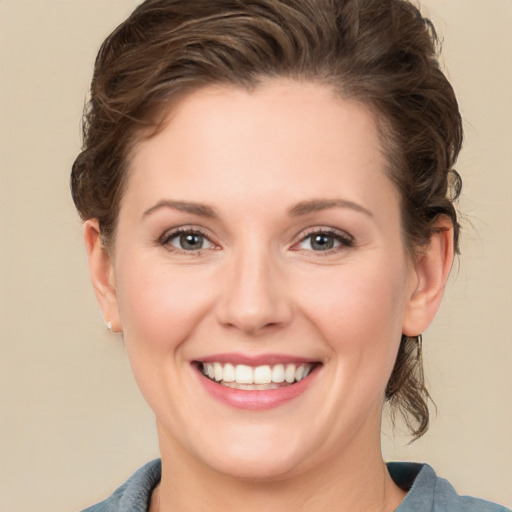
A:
(134, 494)
(428, 492)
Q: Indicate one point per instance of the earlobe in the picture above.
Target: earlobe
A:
(102, 275)
(432, 267)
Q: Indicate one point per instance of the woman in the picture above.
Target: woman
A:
(267, 189)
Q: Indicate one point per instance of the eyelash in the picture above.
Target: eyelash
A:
(169, 236)
(343, 239)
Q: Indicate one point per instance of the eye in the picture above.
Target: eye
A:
(324, 241)
(187, 240)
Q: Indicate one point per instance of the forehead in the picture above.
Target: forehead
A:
(298, 139)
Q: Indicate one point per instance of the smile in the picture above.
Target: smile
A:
(258, 382)
(262, 377)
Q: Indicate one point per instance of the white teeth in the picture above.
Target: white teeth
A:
(259, 377)
(228, 374)
(262, 375)
(278, 373)
(243, 374)
(289, 373)
(217, 369)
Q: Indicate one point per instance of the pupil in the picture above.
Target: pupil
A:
(191, 241)
(322, 242)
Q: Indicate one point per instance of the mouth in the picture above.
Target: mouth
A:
(257, 378)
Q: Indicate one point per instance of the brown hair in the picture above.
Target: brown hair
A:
(380, 52)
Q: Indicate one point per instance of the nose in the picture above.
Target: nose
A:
(255, 296)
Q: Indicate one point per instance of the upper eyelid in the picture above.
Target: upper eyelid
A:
(172, 233)
(326, 230)
(345, 240)
(184, 229)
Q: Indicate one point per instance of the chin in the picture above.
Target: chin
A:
(260, 457)
(254, 469)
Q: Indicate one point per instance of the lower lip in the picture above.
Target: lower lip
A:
(257, 399)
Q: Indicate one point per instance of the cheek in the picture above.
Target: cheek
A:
(358, 309)
(160, 305)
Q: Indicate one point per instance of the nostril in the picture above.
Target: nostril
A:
(253, 298)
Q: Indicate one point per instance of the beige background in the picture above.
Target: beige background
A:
(72, 423)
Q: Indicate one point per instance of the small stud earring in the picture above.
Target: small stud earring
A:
(108, 325)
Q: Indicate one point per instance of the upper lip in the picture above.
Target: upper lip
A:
(255, 360)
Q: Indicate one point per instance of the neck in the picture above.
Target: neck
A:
(352, 484)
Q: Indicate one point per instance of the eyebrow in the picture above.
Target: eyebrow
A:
(302, 208)
(315, 205)
(200, 209)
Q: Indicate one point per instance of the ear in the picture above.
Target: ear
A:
(432, 266)
(102, 275)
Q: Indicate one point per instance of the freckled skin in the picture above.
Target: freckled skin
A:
(257, 282)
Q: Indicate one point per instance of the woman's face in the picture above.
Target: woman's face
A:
(259, 240)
